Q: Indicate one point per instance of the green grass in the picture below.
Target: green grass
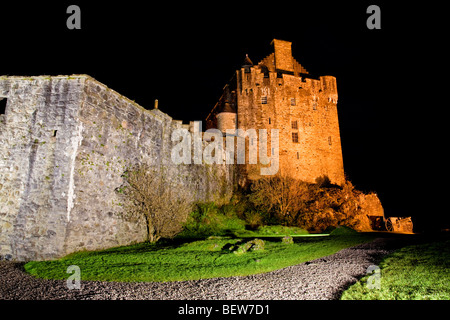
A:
(183, 259)
(418, 272)
(271, 231)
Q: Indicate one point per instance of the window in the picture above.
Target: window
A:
(270, 121)
(3, 102)
(315, 106)
(294, 124)
(264, 99)
(329, 141)
(295, 137)
(292, 101)
(298, 155)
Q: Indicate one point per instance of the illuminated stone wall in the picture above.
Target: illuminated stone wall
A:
(65, 143)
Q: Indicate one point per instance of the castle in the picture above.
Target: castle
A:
(65, 142)
(279, 93)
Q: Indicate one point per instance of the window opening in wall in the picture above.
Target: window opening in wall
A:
(329, 141)
(270, 121)
(264, 99)
(298, 155)
(294, 124)
(292, 101)
(3, 102)
(295, 137)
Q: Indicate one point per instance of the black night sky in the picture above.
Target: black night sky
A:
(393, 134)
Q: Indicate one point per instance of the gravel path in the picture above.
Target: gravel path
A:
(323, 278)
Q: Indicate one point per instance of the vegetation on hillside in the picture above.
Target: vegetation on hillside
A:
(311, 206)
(278, 200)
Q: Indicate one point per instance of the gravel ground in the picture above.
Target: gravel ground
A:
(319, 279)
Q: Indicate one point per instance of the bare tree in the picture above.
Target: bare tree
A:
(149, 193)
(282, 195)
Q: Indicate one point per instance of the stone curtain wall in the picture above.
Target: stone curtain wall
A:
(65, 143)
(38, 139)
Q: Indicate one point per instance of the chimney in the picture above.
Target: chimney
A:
(283, 55)
(156, 104)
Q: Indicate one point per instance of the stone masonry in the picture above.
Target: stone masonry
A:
(279, 93)
(65, 143)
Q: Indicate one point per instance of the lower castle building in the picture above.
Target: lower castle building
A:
(278, 93)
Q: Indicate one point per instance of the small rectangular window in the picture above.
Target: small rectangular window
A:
(314, 106)
(3, 102)
(294, 124)
(295, 137)
(264, 99)
(270, 121)
(298, 155)
(292, 101)
(329, 141)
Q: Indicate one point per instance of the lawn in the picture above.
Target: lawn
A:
(188, 259)
(418, 272)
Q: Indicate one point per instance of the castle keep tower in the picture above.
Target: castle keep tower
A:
(279, 93)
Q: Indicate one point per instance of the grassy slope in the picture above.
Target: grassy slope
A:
(188, 260)
(418, 272)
